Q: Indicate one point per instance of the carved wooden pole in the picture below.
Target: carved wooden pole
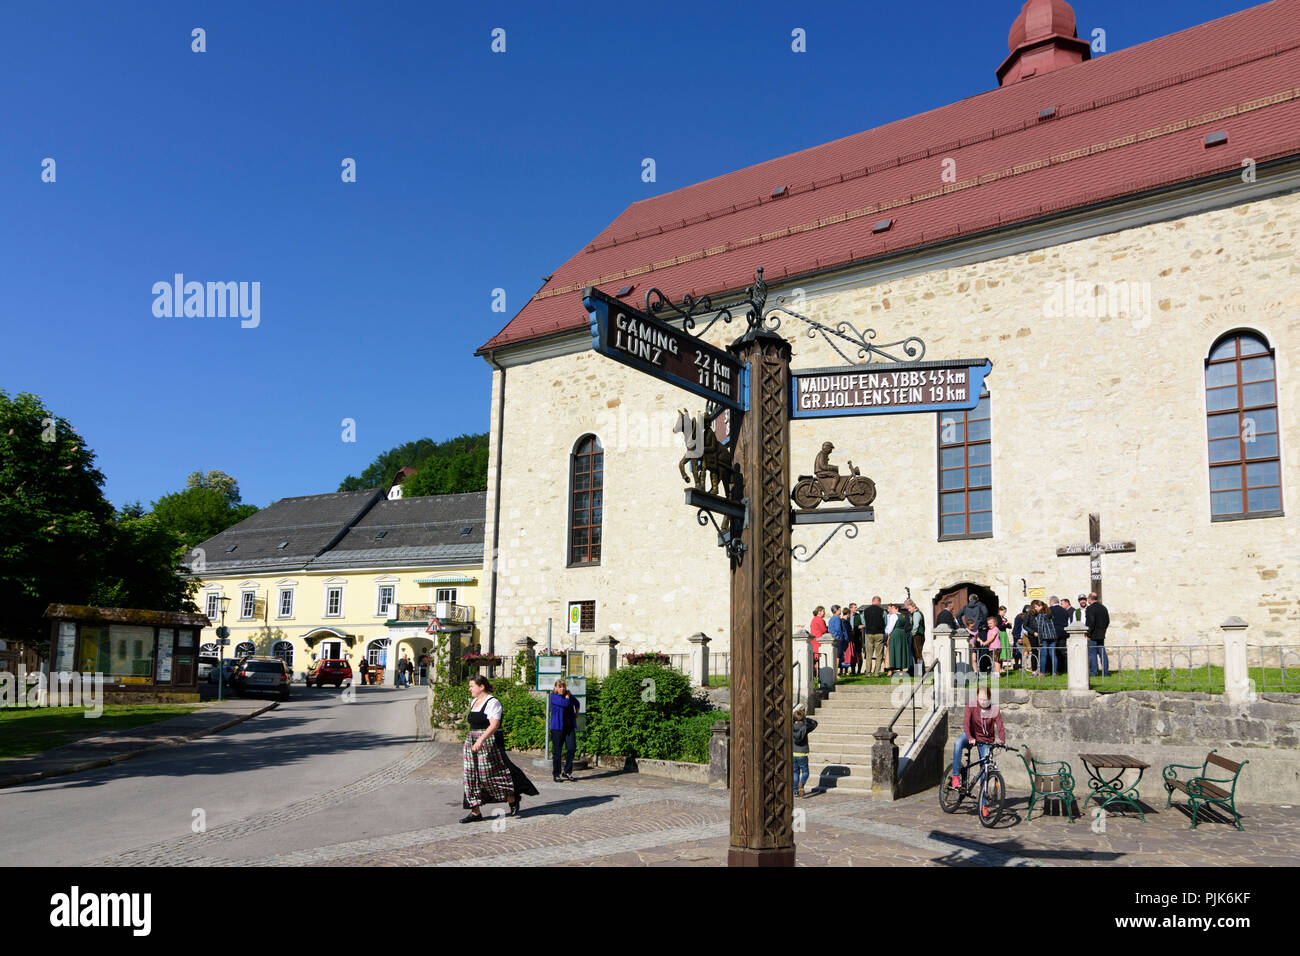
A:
(762, 797)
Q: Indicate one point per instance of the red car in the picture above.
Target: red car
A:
(329, 672)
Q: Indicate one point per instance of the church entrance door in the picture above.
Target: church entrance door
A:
(959, 594)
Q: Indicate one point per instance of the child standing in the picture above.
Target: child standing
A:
(992, 644)
(803, 726)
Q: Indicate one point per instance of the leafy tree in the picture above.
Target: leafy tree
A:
(62, 542)
(448, 467)
(200, 511)
(146, 557)
(217, 480)
(52, 516)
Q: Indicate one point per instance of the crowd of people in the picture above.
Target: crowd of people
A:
(883, 640)
(875, 639)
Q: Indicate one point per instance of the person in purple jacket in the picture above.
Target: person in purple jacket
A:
(564, 729)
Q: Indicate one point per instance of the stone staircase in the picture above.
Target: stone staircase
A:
(839, 750)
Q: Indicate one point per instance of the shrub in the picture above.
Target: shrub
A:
(695, 733)
(638, 712)
(523, 716)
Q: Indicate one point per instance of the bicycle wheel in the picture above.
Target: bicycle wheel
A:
(992, 795)
(948, 797)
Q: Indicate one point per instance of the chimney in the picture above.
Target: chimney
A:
(1043, 38)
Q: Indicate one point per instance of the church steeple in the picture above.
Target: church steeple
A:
(1043, 38)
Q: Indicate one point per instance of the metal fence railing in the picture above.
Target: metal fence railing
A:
(1274, 668)
(719, 664)
(1114, 667)
(1172, 667)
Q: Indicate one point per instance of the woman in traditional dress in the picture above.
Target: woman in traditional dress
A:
(490, 777)
(900, 642)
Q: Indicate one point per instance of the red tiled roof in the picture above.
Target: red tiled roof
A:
(1125, 122)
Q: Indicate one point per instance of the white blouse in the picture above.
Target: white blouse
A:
(492, 709)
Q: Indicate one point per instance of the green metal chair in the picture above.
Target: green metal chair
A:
(1049, 780)
(1203, 790)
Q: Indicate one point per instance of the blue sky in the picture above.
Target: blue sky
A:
(475, 170)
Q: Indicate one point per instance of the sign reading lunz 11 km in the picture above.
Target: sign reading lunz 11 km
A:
(950, 386)
(653, 346)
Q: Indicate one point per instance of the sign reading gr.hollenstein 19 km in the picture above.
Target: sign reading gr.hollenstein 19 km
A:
(653, 346)
(948, 386)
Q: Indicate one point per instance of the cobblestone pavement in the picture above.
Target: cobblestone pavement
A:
(617, 819)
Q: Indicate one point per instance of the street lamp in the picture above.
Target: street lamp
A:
(223, 638)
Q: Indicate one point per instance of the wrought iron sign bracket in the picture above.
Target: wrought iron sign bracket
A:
(843, 518)
(735, 513)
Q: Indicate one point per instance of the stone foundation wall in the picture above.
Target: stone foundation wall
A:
(1159, 728)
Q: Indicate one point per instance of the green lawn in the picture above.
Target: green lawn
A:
(26, 730)
(720, 680)
(1203, 679)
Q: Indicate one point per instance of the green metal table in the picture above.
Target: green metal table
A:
(1108, 790)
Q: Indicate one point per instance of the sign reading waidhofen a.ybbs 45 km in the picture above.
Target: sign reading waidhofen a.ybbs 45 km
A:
(864, 390)
(670, 354)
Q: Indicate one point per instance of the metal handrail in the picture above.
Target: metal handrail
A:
(910, 703)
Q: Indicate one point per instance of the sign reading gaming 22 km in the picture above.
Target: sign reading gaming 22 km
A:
(951, 386)
(653, 346)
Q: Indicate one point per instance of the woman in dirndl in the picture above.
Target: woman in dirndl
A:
(900, 642)
(490, 777)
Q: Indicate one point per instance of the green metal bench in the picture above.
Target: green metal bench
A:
(1049, 780)
(1202, 789)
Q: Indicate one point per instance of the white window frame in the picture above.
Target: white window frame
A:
(213, 613)
(244, 596)
(437, 592)
(328, 589)
(382, 610)
(279, 607)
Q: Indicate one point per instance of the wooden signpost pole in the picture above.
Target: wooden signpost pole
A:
(762, 826)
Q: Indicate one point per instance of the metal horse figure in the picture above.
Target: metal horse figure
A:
(705, 454)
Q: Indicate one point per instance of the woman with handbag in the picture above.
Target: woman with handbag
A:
(490, 777)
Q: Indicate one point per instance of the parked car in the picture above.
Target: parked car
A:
(266, 675)
(329, 672)
(206, 665)
(228, 665)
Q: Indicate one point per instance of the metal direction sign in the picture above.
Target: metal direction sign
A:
(653, 346)
(949, 386)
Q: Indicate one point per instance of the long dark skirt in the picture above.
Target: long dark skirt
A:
(900, 650)
(490, 775)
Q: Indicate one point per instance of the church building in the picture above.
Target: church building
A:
(1115, 234)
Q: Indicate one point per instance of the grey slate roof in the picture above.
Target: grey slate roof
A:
(339, 530)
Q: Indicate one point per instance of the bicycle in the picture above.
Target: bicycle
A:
(992, 789)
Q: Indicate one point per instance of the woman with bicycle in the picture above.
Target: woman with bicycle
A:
(981, 725)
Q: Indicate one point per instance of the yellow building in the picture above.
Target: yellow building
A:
(353, 575)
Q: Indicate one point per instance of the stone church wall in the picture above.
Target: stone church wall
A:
(1102, 413)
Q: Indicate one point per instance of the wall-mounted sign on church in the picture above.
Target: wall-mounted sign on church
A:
(872, 390)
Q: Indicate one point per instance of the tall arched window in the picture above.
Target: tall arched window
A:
(966, 473)
(1241, 405)
(586, 501)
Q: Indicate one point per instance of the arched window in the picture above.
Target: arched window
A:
(966, 473)
(284, 651)
(245, 649)
(586, 501)
(1241, 405)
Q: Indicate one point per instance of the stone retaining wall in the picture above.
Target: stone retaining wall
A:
(1160, 728)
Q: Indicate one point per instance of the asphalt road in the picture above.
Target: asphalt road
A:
(310, 745)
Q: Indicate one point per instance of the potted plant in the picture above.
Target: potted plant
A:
(484, 662)
(646, 657)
